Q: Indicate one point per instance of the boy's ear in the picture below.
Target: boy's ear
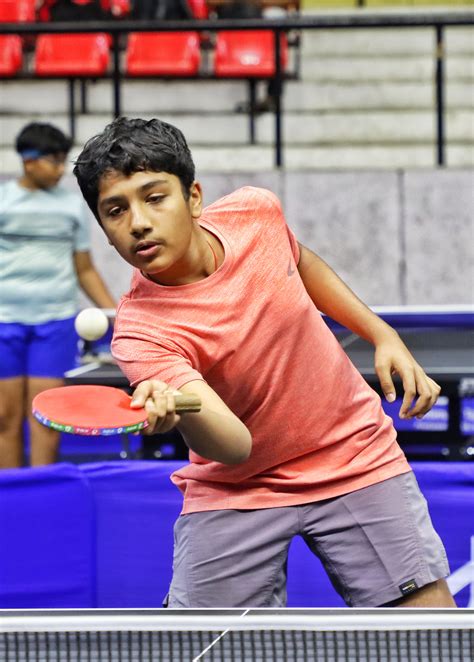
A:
(195, 200)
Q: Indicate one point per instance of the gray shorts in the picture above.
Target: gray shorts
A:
(377, 544)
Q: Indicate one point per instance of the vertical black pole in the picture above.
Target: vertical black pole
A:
(116, 74)
(278, 108)
(72, 108)
(84, 108)
(252, 104)
(440, 94)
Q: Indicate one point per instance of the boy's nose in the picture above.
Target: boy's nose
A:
(138, 220)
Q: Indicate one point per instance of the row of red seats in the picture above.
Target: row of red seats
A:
(237, 54)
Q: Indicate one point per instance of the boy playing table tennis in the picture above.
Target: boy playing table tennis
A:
(290, 440)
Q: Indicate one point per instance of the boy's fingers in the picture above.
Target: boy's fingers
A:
(429, 392)
(386, 382)
(409, 388)
(418, 383)
(144, 390)
(160, 408)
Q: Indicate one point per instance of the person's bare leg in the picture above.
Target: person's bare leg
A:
(436, 594)
(12, 397)
(44, 442)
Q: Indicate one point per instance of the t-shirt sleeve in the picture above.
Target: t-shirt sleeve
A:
(295, 248)
(142, 359)
(280, 217)
(81, 238)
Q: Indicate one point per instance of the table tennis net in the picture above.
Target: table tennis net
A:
(248, 646)
(264, 636)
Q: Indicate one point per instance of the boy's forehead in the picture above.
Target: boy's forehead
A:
(115, 179)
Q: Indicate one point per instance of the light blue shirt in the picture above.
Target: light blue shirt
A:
(39, 233)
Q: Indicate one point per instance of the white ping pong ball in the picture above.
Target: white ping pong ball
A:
(91, 323)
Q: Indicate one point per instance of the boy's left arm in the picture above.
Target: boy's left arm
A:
(91, 282)
(335, 299)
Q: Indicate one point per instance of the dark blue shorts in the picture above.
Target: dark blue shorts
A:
(37, 350)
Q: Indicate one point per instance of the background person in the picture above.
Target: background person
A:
(161, 9)
(77, 10)
(44, 256)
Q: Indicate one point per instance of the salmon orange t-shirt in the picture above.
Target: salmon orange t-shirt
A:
(251, 331)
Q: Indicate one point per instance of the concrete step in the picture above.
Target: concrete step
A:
(384, 68)
(375, 95)
(342, 127)
(214, 96)
(396, 42)
(246, 158)
(337, 157)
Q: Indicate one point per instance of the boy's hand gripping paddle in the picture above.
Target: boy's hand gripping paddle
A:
(97, 410)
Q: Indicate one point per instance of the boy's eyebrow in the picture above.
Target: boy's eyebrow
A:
(114, 199)
(153, 183)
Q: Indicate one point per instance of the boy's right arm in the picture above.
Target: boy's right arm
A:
(214, 433)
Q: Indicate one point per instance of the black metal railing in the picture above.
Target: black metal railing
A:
(437, 20)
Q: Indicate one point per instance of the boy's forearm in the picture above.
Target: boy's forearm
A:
(216, 436)
(334, 298)
(214, 432)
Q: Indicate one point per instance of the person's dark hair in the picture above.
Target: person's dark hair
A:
(40, 139)
(133, 145)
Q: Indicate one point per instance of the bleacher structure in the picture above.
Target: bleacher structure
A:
(352, 98)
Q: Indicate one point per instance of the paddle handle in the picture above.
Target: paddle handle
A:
(187, 403)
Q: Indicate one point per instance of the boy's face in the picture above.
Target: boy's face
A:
(46, 171)
(149, 221)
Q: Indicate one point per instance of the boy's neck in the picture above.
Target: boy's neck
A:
(204, 259)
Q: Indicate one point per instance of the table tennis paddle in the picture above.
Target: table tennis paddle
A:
(94, 410)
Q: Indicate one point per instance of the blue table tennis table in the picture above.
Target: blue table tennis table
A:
(441, 339)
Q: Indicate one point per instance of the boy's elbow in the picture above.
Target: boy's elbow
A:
(239, 451)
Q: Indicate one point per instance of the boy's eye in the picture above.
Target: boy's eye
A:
(114, 211)
(155, 197)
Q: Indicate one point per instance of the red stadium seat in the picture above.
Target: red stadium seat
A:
(72, 54)
(11, 54)
(199, 8)
(163, 54)
(17, 11)
(249, 53)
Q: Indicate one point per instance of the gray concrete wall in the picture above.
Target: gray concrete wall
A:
(396, 237)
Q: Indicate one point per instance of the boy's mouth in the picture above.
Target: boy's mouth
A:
(148, 248)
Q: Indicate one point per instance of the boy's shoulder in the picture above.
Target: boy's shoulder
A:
(246, 198)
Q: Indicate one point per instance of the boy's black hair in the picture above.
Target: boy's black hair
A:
(133, 145)
(42, 138)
